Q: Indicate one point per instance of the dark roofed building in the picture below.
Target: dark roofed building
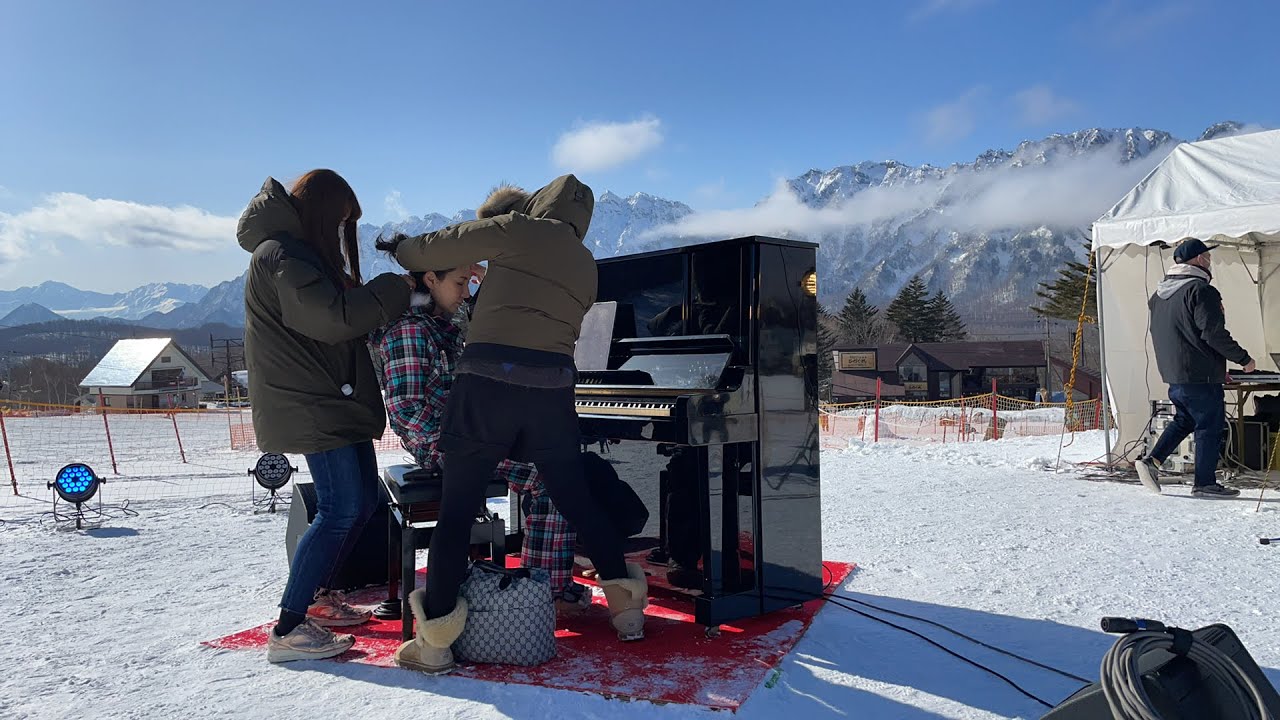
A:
(941, 371)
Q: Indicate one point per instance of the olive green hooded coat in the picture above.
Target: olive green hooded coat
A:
(541, 280)
(304, 336)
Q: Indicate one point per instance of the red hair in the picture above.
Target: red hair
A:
(325, 202)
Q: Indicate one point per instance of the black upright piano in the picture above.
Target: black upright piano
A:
(703, 395)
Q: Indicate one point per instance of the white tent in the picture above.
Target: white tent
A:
(1225, 192)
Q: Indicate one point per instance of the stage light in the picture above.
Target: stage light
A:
(272, 472)
(76, 483)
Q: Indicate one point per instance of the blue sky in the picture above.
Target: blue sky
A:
(132, 134)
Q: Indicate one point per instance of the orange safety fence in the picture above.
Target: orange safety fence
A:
(969, 419)
(141, 454)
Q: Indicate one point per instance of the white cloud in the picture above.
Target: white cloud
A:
(954, 120)
(395, 206)
(1071, 192)
(95, 222)
(1126, 23)
(930, 8)
(600, 146)
(1038, 105)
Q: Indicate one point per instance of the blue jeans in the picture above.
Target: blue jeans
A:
(1199, 408)
(346, 482)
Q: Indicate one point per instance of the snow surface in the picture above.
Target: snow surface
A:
(984, 537)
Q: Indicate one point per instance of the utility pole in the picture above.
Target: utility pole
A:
(232, 358)
(1048, 372)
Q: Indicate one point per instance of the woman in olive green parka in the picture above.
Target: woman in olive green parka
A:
(312, 384)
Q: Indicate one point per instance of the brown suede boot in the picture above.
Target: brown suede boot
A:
(627, 598)
(429, 651)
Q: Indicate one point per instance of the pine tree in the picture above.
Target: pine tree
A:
(858, 322)
(1061, 298)
(827, 340)
(910, 313)
(947, 325)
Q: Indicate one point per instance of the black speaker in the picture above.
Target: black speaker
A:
(1256, 445)
(367, 564)
(1178, 687)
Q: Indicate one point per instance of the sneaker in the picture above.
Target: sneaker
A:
(330, 609)
(573, 598)
(1214, 490)
(308, 641)
(1148, 473)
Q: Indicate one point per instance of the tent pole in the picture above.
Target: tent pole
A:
(1104, 407)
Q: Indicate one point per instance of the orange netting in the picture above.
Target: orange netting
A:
(967, 419)
(140, 453)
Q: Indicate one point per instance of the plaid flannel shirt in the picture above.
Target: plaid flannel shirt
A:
(416, 355)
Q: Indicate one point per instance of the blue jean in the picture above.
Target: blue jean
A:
(346, 481)
(1199, 408)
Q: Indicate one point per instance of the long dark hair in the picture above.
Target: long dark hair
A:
(325, 201)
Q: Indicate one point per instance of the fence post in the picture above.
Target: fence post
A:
(995, 418)
(964, 417)
(174, 417)
(876, 430)
(102, 406)
(13, 477)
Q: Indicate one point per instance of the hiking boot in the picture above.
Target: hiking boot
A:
(330, 609)
(429, 651)
(574, 598)
(1214, 490)
(1148, 473)
(627, 598)
(308, 641)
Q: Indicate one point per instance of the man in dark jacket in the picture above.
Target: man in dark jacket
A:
(1188, 330)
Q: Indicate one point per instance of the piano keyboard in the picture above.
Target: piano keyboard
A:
(638, 408)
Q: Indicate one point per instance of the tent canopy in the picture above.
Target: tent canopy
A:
(1225, 192)
(1228, 188)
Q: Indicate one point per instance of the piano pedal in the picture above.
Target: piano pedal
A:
(711, 632)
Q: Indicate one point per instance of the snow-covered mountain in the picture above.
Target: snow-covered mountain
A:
(986, 232)
(223, 303)
(76, 304)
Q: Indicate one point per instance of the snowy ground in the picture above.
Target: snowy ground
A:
(980, 536)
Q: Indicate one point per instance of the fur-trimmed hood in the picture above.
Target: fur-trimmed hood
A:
(502, 200)
(565, 199)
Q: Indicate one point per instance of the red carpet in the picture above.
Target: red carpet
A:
(675, 663)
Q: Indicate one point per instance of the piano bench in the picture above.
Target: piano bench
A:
(414, 503)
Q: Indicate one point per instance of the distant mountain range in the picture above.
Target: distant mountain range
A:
(985, 232)
(74, 304)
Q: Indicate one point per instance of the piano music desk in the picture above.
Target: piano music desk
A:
(1243, 390)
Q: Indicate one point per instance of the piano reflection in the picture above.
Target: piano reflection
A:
(698, 369)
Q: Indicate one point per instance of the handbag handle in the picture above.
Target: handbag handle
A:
(509, 574)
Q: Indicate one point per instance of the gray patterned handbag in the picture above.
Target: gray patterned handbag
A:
(511, 616)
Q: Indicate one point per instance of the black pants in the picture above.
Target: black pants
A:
(485, 421)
